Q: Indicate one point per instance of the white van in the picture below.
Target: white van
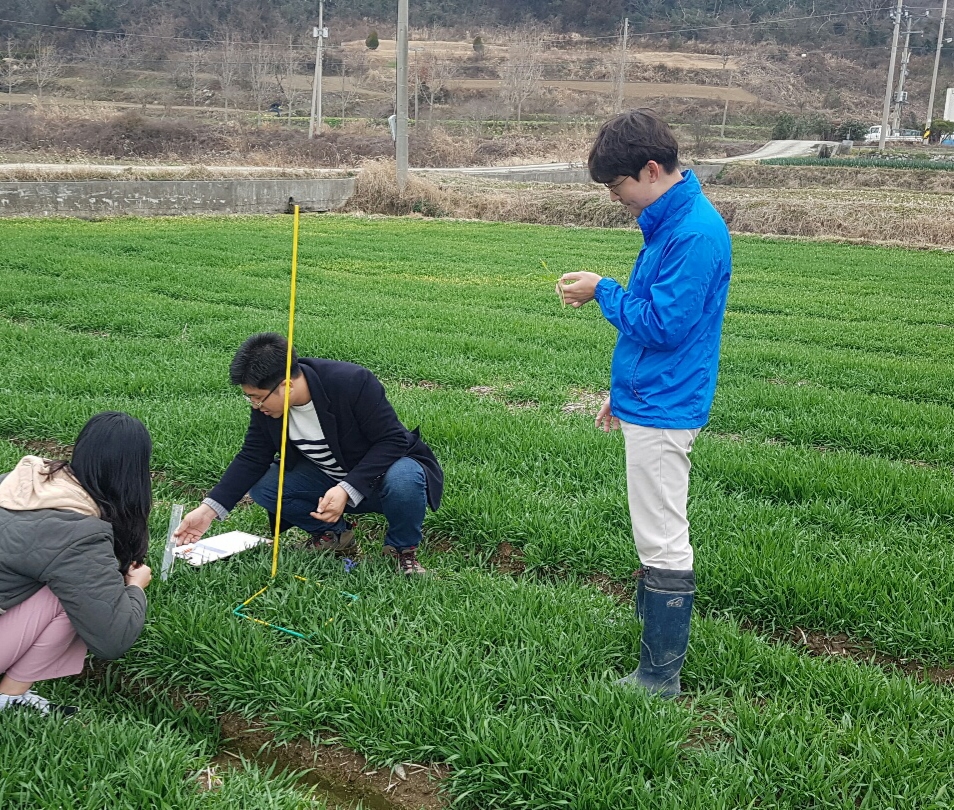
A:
(873, 135)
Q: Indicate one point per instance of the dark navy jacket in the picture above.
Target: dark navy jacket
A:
(362, 429)
(670, 315)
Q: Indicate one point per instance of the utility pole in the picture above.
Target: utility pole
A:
(400, 122)
(319, 33)
(900, 97)
(622, 66)
(894, 56)
(937, 62)
(725, 109)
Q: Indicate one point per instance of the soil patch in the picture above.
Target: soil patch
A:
(45, 448)
(340, 773)
(840, 645)
(508, 559)
(585, 402)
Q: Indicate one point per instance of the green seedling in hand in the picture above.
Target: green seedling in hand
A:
(559, 288)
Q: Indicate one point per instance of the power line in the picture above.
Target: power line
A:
(108, 33)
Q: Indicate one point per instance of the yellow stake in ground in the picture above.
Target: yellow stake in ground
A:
(288, 360)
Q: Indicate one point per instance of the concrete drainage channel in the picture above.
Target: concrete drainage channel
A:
(95, 199)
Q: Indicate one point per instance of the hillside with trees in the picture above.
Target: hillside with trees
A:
(222, 76)
(838, 23)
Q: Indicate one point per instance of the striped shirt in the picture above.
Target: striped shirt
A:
(305, 432)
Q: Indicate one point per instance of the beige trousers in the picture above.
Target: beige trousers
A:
(657, 483)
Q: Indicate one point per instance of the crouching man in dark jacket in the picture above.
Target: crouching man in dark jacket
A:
(347, 451)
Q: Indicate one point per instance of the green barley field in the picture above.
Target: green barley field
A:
(822, 503)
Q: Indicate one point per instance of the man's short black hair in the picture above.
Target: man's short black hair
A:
(260, 361)
(626, 143)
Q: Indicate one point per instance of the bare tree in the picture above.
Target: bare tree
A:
(108, 57)
(154, 33)
(868, 10)
(46, 64)
(477, 112)
(189, 73)
(434, 75)
(261, 65)
(227, 66)
(286, 66)
(353, 76)
(521, 73)
(11, 73)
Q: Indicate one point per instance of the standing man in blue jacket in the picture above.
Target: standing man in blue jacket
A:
(347, 452)
(663, 378)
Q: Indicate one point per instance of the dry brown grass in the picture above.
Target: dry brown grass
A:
(762, 176)
(879, 216)
(476, 198)
(882, 217)
(59, 135)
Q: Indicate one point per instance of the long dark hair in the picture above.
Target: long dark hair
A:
(111, 462)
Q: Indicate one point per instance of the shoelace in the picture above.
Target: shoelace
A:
(408, 561)
(31, 698)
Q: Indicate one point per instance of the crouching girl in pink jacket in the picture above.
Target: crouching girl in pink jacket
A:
(73, 537)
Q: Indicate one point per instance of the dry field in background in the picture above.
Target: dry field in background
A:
(912, 207)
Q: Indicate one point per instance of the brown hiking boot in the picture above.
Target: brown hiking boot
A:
(329, 542)
(406, 559)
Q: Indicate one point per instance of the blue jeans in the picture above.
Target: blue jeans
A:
(401, 496)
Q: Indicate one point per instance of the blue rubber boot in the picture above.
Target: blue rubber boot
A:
(640, 576)
(666, 608)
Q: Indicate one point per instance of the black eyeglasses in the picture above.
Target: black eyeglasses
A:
(259, 402)
(614, 186)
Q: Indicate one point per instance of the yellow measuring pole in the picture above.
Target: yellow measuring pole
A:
(288, 359)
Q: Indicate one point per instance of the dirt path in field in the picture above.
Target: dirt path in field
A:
(387, 49)
(778, 149)
(633, 90)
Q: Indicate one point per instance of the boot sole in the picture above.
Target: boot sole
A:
(336, 549)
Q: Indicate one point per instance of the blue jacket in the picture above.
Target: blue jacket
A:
(670, 316)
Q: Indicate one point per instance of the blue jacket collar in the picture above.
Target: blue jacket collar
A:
(671, 205)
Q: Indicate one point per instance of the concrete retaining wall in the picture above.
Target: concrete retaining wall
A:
(707, 171)
(99, 198)
(103, 198)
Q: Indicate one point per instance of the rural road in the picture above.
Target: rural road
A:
(777, 149)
